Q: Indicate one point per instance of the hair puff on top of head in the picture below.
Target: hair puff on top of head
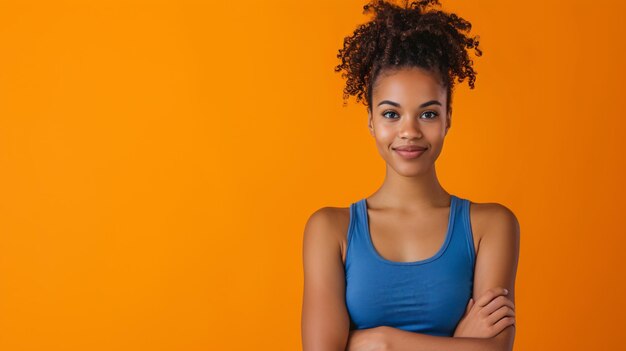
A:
(415, 34)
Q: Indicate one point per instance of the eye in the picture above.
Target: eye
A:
(389, 111)
(434, 114)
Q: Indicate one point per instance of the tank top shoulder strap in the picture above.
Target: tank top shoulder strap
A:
(465, 221)
(355, 238)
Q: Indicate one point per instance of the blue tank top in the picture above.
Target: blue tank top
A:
(427, 296)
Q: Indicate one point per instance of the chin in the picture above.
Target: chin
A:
(411, 170)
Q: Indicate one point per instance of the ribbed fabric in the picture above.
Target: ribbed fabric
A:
(427, 296)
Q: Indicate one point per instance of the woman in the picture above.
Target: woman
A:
(411, 267)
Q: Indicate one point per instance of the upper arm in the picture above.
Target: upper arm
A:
(497, 257)
(325, 319)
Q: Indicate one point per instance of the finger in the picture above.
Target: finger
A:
(503, 323)
(497, 303)
(504, 311)
(489, 295)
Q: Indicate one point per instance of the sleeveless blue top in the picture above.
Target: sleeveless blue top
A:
(427, 296)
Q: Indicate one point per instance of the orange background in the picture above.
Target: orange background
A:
(159, 159)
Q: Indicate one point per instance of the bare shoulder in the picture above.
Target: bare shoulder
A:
(331, 223)
(492, 217)
(332, 219)
(499, 248)
(325, 320)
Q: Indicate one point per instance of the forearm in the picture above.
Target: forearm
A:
(401, 340)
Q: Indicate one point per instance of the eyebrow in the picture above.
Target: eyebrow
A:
(428, 103)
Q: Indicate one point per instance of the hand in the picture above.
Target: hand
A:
(371, 339)
(488, 316)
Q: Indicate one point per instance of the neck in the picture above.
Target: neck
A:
(416, 192)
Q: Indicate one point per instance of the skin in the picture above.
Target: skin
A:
(408, 219)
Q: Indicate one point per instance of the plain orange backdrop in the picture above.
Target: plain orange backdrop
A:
(159, 159)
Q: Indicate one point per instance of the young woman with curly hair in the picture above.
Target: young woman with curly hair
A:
(410, 267)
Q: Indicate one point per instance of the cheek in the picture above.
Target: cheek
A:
(385, 133)
(434, 133)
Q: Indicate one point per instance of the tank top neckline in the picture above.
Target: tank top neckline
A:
(448, 236)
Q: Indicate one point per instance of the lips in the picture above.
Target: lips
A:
(410, 148)
(410, 151)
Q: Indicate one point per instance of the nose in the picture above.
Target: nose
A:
(410, 128)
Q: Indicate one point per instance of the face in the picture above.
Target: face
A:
(409, 109)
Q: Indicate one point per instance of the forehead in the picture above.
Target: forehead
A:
(408, 86)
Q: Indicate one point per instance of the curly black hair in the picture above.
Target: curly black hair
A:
(415, 35)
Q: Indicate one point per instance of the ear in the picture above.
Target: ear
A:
(370, 123)
(448, 121)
